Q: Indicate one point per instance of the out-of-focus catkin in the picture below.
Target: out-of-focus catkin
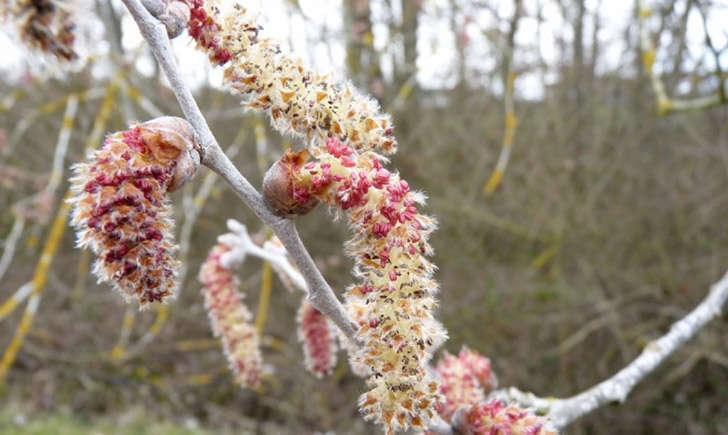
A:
(497, 418)
(47, 25)
(121, 210)
(297, 99)
(464, 381)
(317, 336)
(230, 318)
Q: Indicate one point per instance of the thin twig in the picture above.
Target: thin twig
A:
(212, 156)
(510, 120)
(665, 104)
(617, 388)
(11, 241)
(13, 301)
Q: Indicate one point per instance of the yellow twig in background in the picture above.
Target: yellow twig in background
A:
(197, 344)
(127, 324)
(11, 241)
(264, 298)
(140, 100)
(40, 277)
(13, 301)
(509, 133)
(84, 262)
(665, 104)
(159, 321)
(59, 156)
(151, 334)
(47, 109)
(8, 102)
(38, 205)
(261, 144)
(99, 126)
(544, 257)
(403, 94)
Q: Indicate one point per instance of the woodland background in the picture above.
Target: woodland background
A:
(608, 225)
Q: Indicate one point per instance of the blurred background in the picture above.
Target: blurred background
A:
(575, 153)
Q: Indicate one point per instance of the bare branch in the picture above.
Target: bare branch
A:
(212, 156)
(241, 245)
(10, 243)
(617, 388)
(665, 104)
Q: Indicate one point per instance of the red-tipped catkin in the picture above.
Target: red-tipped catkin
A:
(319, 342)
(121, 210)
(496, 418)
(230, 318)
(464, 381)
(297, 99)
(394, 300)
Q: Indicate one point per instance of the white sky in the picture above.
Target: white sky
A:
(316, 35)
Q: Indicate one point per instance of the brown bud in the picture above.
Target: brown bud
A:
(278, 186)
(170, 138)
(175, 18)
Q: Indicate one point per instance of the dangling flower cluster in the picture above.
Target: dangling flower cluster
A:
(296, 98)
(230, 318)
(121, 210)
(394, 300)
(47, 25)
(497, 418)
(464, 381)
(319, 342)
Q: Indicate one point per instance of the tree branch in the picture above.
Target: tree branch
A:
(665, 104)
(617, 388)
(212, 156)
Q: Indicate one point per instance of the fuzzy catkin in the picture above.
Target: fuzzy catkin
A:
(464, 381)
(297, 99)
(47, 25)
(316, 334)
(497, 418)
(394, 299)
(121, 210)
(230, 318)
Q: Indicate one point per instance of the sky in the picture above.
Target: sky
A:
(315, 34)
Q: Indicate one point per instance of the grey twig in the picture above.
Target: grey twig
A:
(212, 156)
(617, 388)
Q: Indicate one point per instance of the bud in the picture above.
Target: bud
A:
(122, 211)
(175, 18)
(278, 191)
(171, 138)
